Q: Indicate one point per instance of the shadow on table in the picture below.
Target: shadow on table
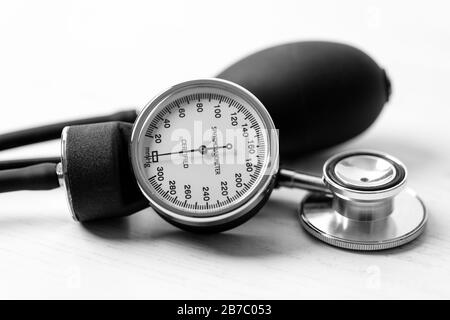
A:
(264, 235)
(274, 231)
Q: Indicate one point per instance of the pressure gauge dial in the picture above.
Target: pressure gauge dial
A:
(205, 154)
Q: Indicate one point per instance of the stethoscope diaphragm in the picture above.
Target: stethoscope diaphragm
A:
(368, 208)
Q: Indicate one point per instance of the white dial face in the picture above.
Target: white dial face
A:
(203, 150)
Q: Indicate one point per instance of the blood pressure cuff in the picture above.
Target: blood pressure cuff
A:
(97, 171)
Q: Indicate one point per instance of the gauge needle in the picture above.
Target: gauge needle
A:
(202, 149)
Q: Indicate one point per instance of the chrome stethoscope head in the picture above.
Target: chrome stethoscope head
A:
(367, 206)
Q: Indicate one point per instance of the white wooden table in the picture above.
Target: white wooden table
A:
(62, 60)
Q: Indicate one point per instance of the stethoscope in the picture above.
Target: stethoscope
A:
(360, 202)
(204, 155)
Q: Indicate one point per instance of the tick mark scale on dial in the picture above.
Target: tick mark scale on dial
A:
(192, 98)
(148, 133)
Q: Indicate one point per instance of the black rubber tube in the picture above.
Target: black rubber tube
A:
(40, 173)
(21, 163)
(37, 177)
(53, 131)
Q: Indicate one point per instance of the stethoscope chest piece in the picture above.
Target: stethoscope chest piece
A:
(368, 208)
